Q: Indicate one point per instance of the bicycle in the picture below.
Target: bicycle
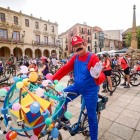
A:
(71, 80)
(82, 125)
(135, 78)
(10, 70)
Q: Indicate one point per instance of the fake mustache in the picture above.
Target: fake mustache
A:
(79, 49)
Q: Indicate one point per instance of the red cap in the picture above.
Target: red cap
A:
(76, 40)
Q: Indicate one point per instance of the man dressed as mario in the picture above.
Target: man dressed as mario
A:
(88, 75)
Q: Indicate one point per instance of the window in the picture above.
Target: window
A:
(88, 31)
(95, 43)
(95, 36)
(88, 38)
(16, 36)
(37, 39)
(53, 41)
(45, 40)
(100, 49)
(26, 22)
(36, 25)
(52, 28)
(15, 20)
(45, 27)
(2, 16)
(3, 34)
(95, 50)
(82, 37)
(88, 48)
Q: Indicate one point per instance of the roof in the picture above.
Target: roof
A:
(96, 28)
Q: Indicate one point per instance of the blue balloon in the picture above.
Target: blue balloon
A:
(16, 78)
(24, 76)
(54, 133)
(35, 107)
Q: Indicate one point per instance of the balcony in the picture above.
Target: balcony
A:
(95, 37)
(95, 45)
(101, 45)
(88, 41)
(36, 43)
(88, 33)
(3, 19)
(82, 32)
(37, 31)
(8, 40)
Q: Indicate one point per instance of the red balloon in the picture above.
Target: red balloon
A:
(7, 135)
(6, 88)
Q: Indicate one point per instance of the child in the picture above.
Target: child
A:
(34, 66)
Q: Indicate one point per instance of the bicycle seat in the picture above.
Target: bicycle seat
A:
(3, 80)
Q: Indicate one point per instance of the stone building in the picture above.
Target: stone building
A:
(93, 37)
(26, 35)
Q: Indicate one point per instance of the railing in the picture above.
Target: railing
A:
(8, 40)
(3, 19)
(101, 45)
(95, 45)
(82, 32)
(88, 41)
(88, 33)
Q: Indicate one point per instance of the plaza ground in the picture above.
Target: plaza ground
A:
(119, 121)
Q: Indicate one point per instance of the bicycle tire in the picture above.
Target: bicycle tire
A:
(7, 73)
(58, 138)
(114, 84)
(117, 72)
(117, 77)
(85, 121)
(134, 78)
(1, 86)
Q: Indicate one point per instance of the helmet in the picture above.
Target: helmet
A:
(43, 58)
(137, 61)
(116, 55)
(12, 54)
(0, 61)
(25, 56)
(34, 62)
(105, 54)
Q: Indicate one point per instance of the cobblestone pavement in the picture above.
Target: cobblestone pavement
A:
(119, 121)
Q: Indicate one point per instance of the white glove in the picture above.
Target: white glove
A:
(95, 72)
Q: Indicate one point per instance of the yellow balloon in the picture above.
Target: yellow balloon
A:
(19, 85)
(32, 69)
(33, 76)
(51, 126)
(25, 82)
(40, 73)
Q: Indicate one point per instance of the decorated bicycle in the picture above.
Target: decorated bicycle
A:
(34, 106)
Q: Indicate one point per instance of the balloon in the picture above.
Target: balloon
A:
(16, 78)
(16, 107)
(35, 107)
(51, 102)
(60, 92)
(25, 82)
(44, 83)
(3, 92)
(24, 76)
(68, 115)
(51, 126)
(61, 97)
(40, 73)
(34, 137)
(32, 69)
(54, 133)
(19, 85)
(7, 135)
(6, 88)
(49, 76)
(23, 69)
(33, 76)
(55, 82)
(58, 87)
(48, 121)
(39, 92)
(13, 135)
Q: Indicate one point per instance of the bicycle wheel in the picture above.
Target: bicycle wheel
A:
(114, 84)
(117, 77)
(2, 98)
(85, 124)
(7, 73)
(49, 137)
(116, 72)
(135, 79)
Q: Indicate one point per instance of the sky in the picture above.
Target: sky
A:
(106, 14)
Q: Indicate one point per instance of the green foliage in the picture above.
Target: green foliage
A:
(128, 38)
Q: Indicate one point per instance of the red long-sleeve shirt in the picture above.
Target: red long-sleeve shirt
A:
(70, 66)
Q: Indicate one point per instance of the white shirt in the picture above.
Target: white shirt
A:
(54, 61)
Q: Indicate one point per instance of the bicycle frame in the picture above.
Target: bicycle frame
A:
(77, 128)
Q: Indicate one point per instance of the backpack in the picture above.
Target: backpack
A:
(126, 60)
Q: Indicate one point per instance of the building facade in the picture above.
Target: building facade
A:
(93, 37)
(113, 34)
(26, 35)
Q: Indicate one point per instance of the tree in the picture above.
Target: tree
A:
(129, 36)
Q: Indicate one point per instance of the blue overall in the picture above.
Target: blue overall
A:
(85, 85)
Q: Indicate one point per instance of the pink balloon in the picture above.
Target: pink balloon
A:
(60, 92)
(7, 135)
(44, 83)
(39, 92)
(23, 69)
(34, 137)
(49, 76)
(16, 107)
(6, 88)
